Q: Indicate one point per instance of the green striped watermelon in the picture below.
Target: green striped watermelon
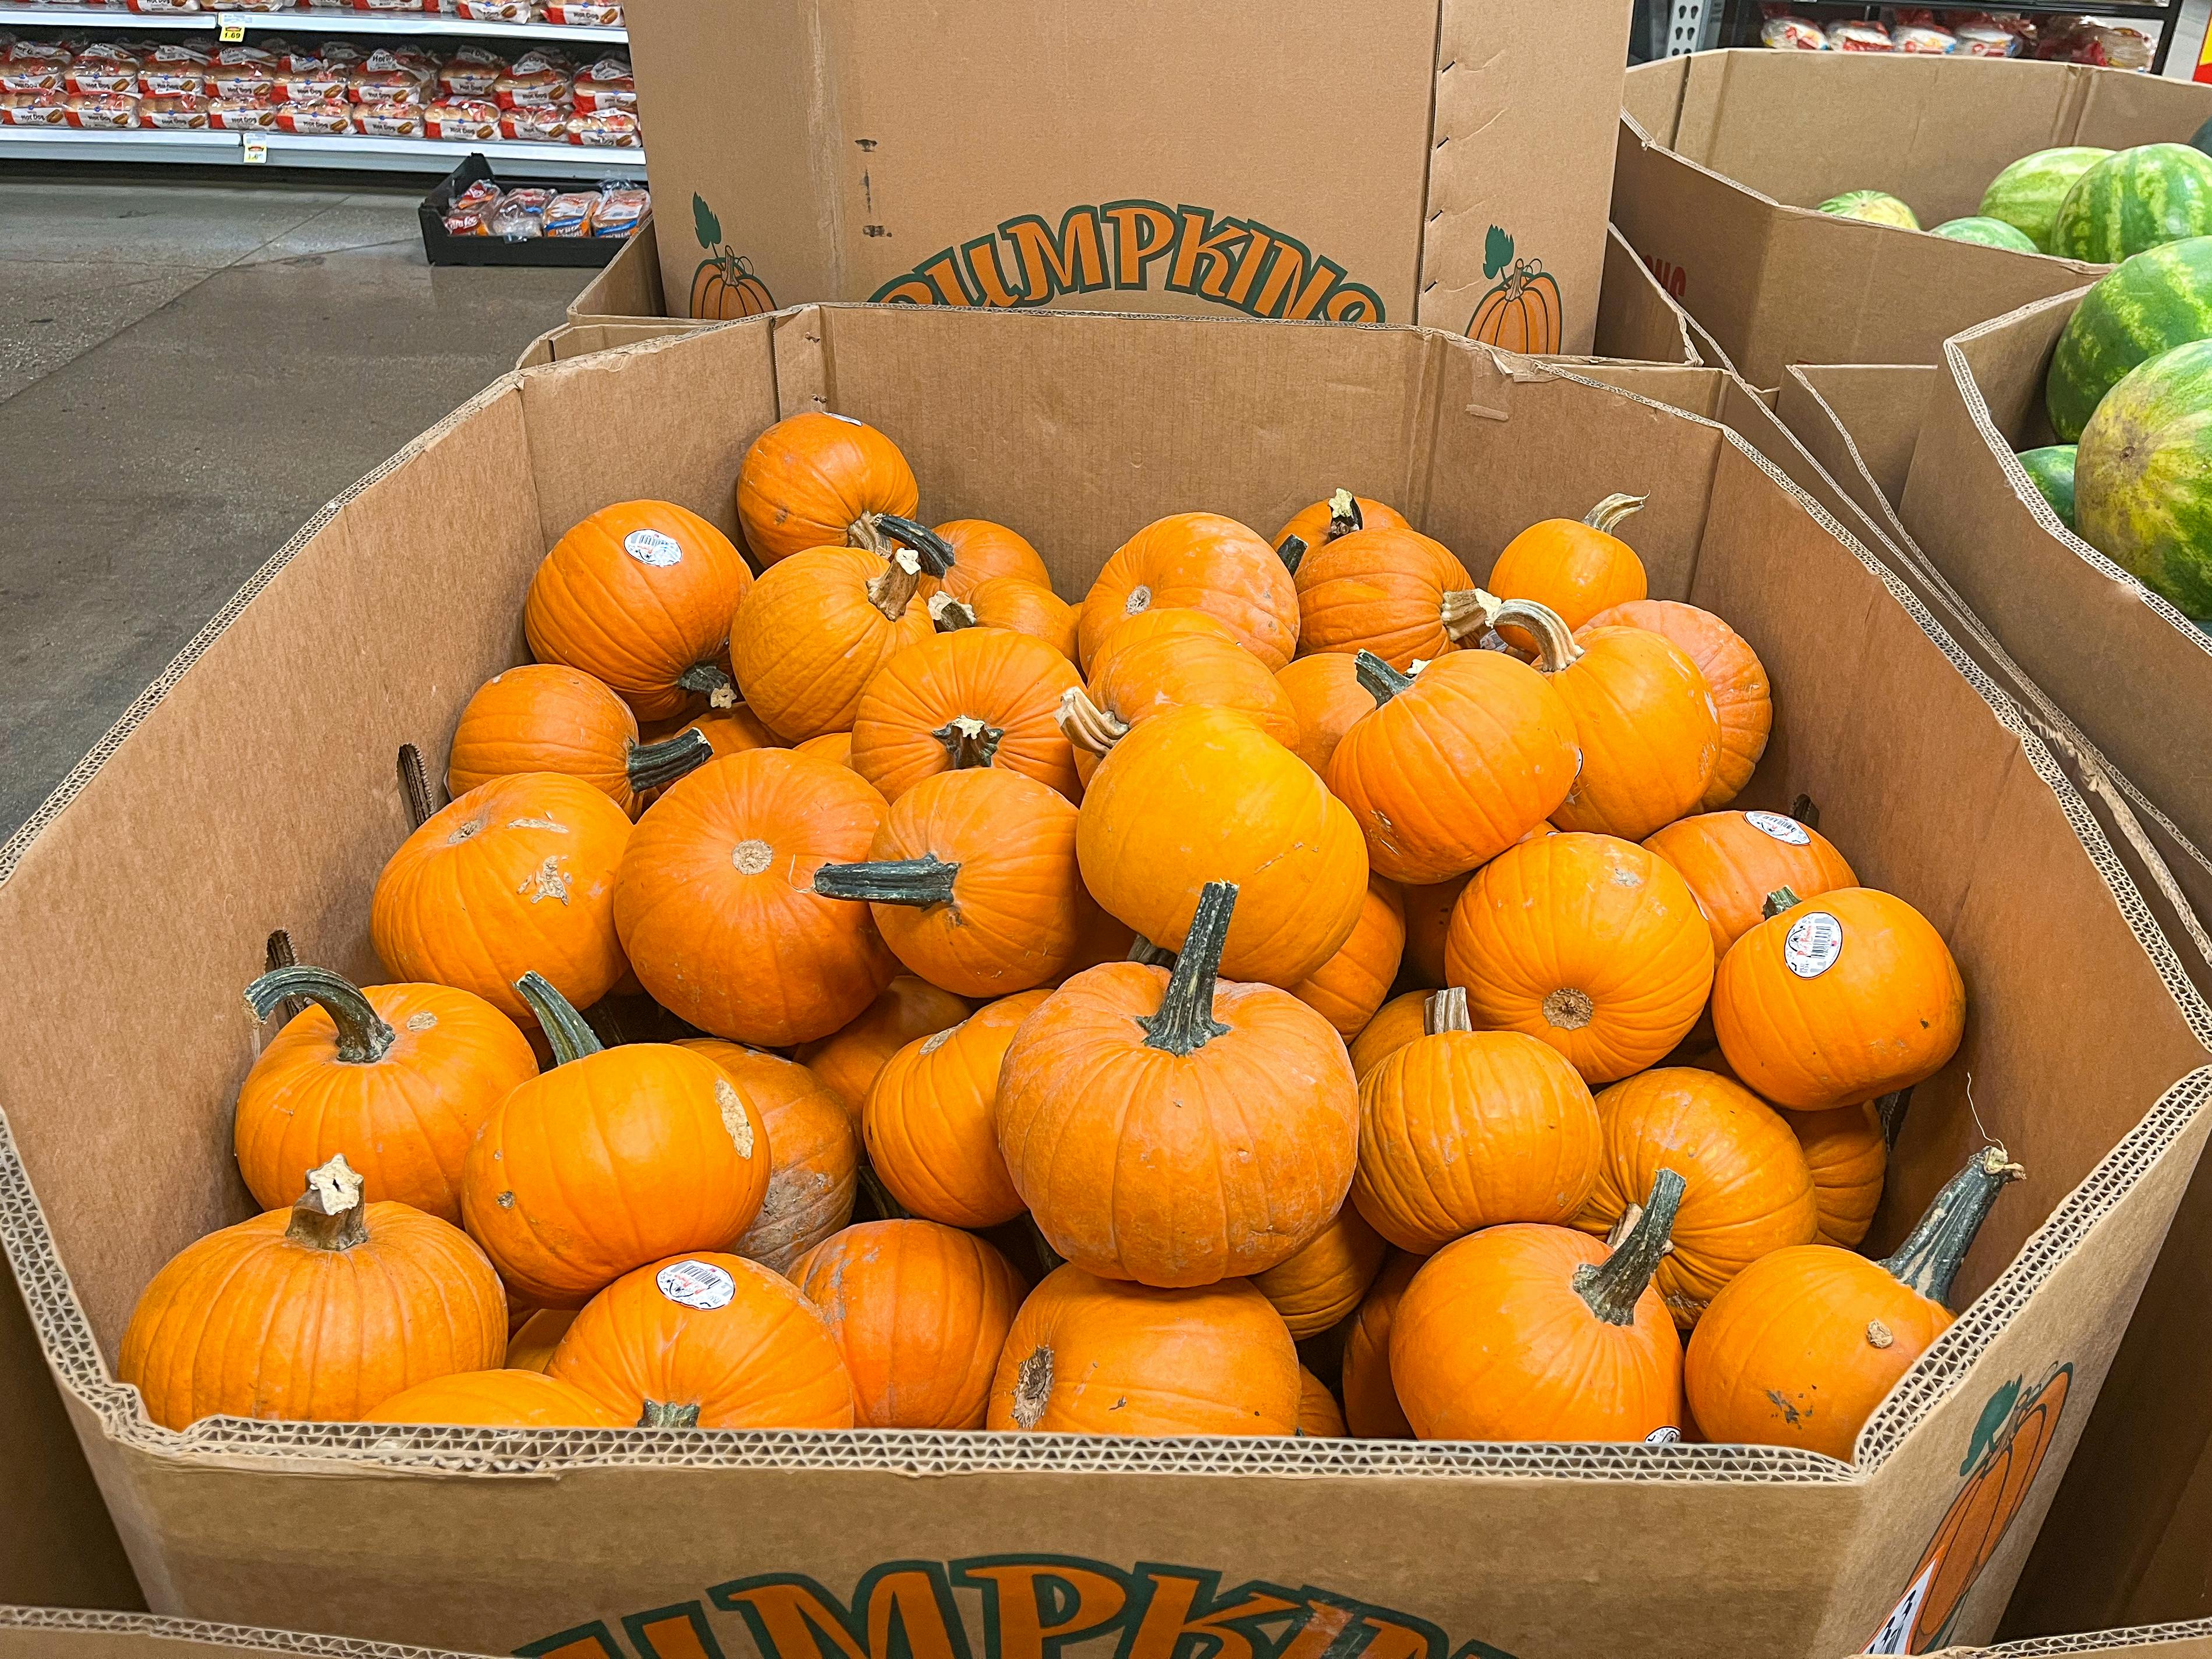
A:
(2050, 469)
(1989, 232)
(1872, 205)
(2134, 200)
(2142, 479)
(2027, 194)
(2153, 303)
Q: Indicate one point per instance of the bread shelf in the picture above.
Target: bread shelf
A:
(423, 156)
(301, 22)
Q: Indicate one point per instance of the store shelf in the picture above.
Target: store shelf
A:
(304, 22)
(291, 149)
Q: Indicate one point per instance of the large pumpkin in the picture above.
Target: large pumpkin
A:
(315, 1314)
(1742, 698)
(1396, 1023)
(819, 480)
(1094, 1356)
(1208, 563)
(1733, 860)
(716, 903)
(1174, 1128)
(516, 877)
(983, 551)
(1371, 1410)
(1320, 523)
(545, 718)
(1329, 700)
(848, 1059)
(815, 630)
(1150, 664)
(1591, 944)
(1022, 607)
(497, 1400)
(1394, 591)
(813, 1152)
(1573, 569)
(1348, 988)
(973, 697)
(919, 1312)
(399, 1077)
(1847, 1153)
(931, 1122)
(1324, 1283)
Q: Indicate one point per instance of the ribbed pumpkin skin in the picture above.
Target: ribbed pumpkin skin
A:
(1849, 1157)
(1348, 988)
(1888, 1013)
(1150, 626)
(1379, 589)
(1451, 772)
(1396, 1023)
(1733, 860)
(1024, 607)
(595, 605)
(1319, 1418)
(1750, 1191)
(810, 637)
(763, 1360)
(1428, 908)
(609, 1162)
(1121, 1359)
(497, 1400)
(1569, 568)
(1371, 1410)
(246, 1322)
(813, 1152)
(1742, 698)
(1322, 1283)
(531, 1347)
(1177, 1169)
(919, 1312)
(545, 718)
(1584, 928)
(404, 1121)
(931, 1123)
(1205, 562)
(1309, 524)
(734, 731)
(848, 1059)
(716, 904)
(1650, 735)
(1327, 697)
(983, 551)
(836, 747)
(808, 479)
(516, 877)
(1010, 682)
(1136, 677)
(1202, 794)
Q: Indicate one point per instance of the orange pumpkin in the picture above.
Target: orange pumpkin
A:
(1428, 920)
(1322, 1283)
(1371, 1410)
(1148, 627)
(1802, 1345)
(716, 905)
(1847, 1153)
(517, 876)
(1174, 1128)
(708, 1341)
(977, 697)
(732, 731)
(919, 1312)
(1535, 1333)
(1396, 1023)
(1741, 694)
(1733, 860)
(1205, 562)
(1838, 1000)
(615, 1158)
(545, 718)
(1020, 607)
(531, 1347)
(813, 1154)
(931, 1123)
(848, 1059)
(401, 1076)
(816, 630)
(819, 480)
(1095, 1356)
(983, 551)
(1156, 662)
(1591, 944)
(1573, 569)
(318, 1313)
(1343, 513)
(1348, 988)
(511, 1399)
(1394, 591)
(1319, 1415)
(836, 747)
(1327, 698)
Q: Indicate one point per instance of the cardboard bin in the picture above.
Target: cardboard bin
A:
(626, 1544)
(55, 1634)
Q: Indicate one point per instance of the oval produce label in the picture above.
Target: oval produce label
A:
(1813, 943)
(699, 1284)
(1781, 828)
(651, 547)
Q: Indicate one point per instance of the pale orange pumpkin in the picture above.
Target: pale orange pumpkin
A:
(1733, 860)
(1847, 1153)
(1573, 569)
(1208, 563)
(848, 1059)
(816, 628)
(1348, 988)
(819, 480)
(1742, 697)
(517, 1398)
(1391, 591)
(813, 1152)
(836, 747)
(931, 1123)
(973, 697)
(1329, 700)
(1019, 606)
(1396, 1023)
(1371, 1410)
(1321, 522)
(983, 551)
(1156, 662)
(545, 718)
(1324, 1283)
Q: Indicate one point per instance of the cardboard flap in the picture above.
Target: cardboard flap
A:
(1870, 413)
(1651, 96)
(558, 345)
(1636, 320)
(66, 1633)
(628, 285)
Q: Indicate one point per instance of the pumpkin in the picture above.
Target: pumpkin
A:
(973, 883)
(401, 1076)
(1095, 1356)
(511, 1399)
(1461, 1129)
(545, 718)
(819, 480)
(1143, 670)
(1733, 860)
(1323, 1283)
(1394, 591)
(1205, 562)
(708, 1341)
(1428, 919)
(836, 747)
(615, 1158)
(847, 1060)
(931, 1123)
(1396, 1023)
(1847, 1153)
(919, 1312)
(1572, 569)
(1324, 521)
(517, 876)
(1327, 698)
(813, 1154)
(1750, 1190)
(317, 1313)
(1742, 698)
(977, 697)
(983, 551)
(732, 731)
(1591, 944)
(1149, 628)
(1801, 1346)
(1019, 607)
(1455, 764)
(1838, 1000)
(1174, 1128)
(1202, 795)
(1319, 1415)
(1535, 1333)
(531, 1347)
(816, 630)
(716, 905)
(1370, 1400)
(1348, 988)
(640, 596)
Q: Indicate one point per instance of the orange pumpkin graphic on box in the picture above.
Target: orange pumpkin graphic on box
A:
(1521, 313)
(723, 286)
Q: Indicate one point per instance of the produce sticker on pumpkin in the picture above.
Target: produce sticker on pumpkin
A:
(1782, 828)
(652, 547)
(698, 1284)
(1813, 943)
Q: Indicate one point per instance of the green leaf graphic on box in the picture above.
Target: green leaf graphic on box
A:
(704, 221)
(1496, 251)
(1993, 1419)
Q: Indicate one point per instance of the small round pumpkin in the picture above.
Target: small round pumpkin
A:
(1150, 626)
(848, 1059)
(1329, 700)
(531, 1347)
(1574, 570)
(816, 630)
(732, 731)
(1393, 591)
(1143, 670)
(931, 1122)
(1319, 1418)
(1348, 988)
(1428, 908)
(1733, 860)
(1371, 1410)
(1396, 1023)
(983, 551)
(1742, 698)
(1206, 562)
(816, 480)
(1095, 1356)
(836, 747)
(1322, 522)
(814, 1153)
(1020, 607)
(973, 697)
(1322, 1284)
(545, 718)
(1848, 1154)
(919, 1312)
(511, 1399)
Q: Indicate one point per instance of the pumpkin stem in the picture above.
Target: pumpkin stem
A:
(568, 1031)
(1806, 810)
(1446, 1011)
(1032, 1388)
(931, 549)
(967, 742)
(1610, 513)
(363, 1038)
(331, 1214)
(1930, 1256)
(415, 787)
(892, 589)
(1378, 679)
(887, 1207)
(1153, 956)
(1613, 1288)
(666, 1415)
(278, 953)
(1781, 899)
(719, 690)
(1293, 553)
(1048, 1259)
(1087, 725)
(1555, 641)
(656, 765)
(1344, 516)
(1467, 610)
(950, 614)
(919, 882)
(1185, 1022)
(1890, 1109)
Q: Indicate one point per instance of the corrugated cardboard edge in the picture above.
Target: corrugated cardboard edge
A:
(67, 1620)
(2192, 1640)
(591, 334)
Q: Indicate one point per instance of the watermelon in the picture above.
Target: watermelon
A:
(1989, 232)
(1872, 206)
(2050, 469)
(2201, 138)
(2027, 194)
(2153, 303)
(2134, 200)
(2142, 479)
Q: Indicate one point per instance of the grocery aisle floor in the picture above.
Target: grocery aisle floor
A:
(188, 371)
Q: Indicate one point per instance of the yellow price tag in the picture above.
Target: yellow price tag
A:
(232, 28)
(256, 151)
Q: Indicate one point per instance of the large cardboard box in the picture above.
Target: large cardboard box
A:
(1280, 160)
(613, 1544)
(28, 1633)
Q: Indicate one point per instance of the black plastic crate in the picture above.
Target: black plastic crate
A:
(444, 248)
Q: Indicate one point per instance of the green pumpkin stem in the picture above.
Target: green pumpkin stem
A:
(711, 683)
(331, 1214)
(1781, 899)
(657, 765)
(1185, 1022)
(1446, 1011)
(1344, 516)
(1153, 956)
(1933, 1251)
(1293, 553)
(1378, 679)
(568, 1031)
(1085, 724)
(363, 1038)
(1610, 513)
(919, 882)
(934, 553)
(665, 1414)
(969, 742)
(1613, 1288)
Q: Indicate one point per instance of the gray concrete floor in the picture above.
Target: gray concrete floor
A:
(187, 371)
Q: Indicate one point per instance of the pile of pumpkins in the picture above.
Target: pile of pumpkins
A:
(1063, 939)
